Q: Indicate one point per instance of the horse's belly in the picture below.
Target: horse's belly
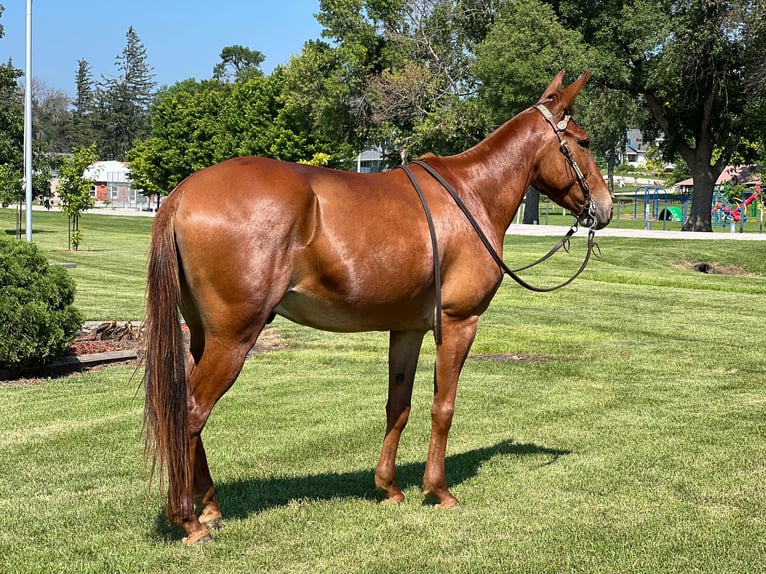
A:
(349, 317)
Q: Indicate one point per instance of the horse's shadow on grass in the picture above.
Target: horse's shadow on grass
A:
(242, 498)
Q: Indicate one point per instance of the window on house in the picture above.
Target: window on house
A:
(114, 193)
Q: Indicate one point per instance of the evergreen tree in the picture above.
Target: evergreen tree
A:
(84, 103)
(122, 102)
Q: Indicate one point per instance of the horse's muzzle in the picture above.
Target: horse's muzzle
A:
(595, 215)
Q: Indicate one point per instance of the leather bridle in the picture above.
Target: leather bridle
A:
(588, 209)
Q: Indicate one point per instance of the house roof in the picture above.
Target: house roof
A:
(636, 142)
(744, 174)
(108, 171)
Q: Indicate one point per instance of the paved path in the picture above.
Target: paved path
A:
(611, 231)
(534, 230)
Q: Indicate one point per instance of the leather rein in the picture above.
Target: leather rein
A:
(512, 273)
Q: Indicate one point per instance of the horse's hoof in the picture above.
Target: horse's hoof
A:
(214, 524)
(200, 538)
(395, 499)
(446, 503)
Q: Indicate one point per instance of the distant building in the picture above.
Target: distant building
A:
(112, 185)
(747, 175)
(369, 161)
(635, 149)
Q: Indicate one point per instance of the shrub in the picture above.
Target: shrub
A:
(37, 318)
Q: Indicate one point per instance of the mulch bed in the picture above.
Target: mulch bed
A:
(99, 345)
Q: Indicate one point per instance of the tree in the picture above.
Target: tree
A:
(83, 134)
(197, 124)
(320, 96)
(695, 65)
(12, 146)
(11, 117)
(11, 191)
(122, 102)
(51, 118)
(404, 70)
(183, 140)
(238, 64)
(523, 49)
(74, 190)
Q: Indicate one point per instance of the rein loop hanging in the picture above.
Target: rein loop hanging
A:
(512, 273)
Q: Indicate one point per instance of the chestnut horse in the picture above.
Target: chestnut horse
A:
(243, 240)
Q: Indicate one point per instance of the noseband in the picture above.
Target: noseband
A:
(589, 208)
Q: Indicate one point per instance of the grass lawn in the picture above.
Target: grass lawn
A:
(111, 262)
(634, 442)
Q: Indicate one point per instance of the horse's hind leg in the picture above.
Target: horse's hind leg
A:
(213, 375)
(203, 490)
(404, 349)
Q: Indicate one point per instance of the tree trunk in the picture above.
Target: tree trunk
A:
(532, 207)
(702, 199)
(611, 160)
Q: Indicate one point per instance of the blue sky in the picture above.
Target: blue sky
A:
(183, 38)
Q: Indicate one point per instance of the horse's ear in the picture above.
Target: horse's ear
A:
(569, 93)
(554, 87)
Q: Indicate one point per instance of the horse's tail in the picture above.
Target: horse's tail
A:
(166, 419)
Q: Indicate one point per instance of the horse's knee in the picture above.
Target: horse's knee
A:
(441, 416)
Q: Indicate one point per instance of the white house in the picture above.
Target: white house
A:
(112, 184)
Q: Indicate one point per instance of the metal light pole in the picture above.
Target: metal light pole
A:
(28, 123)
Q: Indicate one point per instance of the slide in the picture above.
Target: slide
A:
(736, 214)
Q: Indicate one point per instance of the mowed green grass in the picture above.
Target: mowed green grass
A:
(636, 442)
(110, 267)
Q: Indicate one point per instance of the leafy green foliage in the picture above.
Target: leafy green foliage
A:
(525, 48)
(238, 64)
(197, 124)
(11, 117)
(74, 189)
(11, 189)
(37, 318)
(12, 146)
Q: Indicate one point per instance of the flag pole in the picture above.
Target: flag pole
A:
(28, 123)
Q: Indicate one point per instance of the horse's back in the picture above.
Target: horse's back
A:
(330, 249)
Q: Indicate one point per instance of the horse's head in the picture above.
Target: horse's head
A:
(564, 168)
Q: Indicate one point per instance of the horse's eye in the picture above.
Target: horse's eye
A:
(585, 144)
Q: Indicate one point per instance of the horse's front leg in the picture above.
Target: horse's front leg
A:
(403, 352)
(450, 355)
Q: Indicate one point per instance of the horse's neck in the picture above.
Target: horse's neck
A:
(498, 170)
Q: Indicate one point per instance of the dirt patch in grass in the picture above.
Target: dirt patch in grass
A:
(712, 268)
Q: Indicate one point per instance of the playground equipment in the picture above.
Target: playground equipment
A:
(724, 212)
(656, 202)
(671, 213)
